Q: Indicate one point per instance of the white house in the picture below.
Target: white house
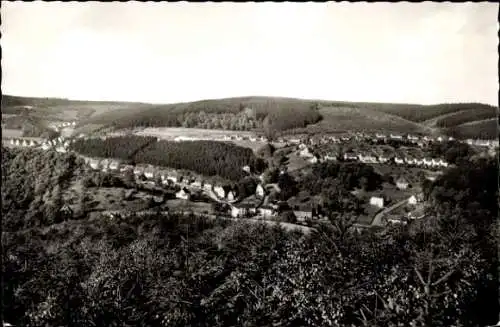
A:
(149, 173)
(183, 194)
(45, 146)
(330, 157)
(61, 149)
(377, 201)
(412, 200)
(196, 184)
(219, 191)
(267, 211)
(402, 183)
(305, 153)
(230, 196)
(25, 143)
(302, 215)
(114, 165)
(207, 186)
(313, 160)
(350, 156)
(399, 161)
(247, 169)
(382, 159)
(259, 191)
(138, 171)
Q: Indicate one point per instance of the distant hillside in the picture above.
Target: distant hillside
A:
(336, 119)
(483, 129)
(61, 109)
(271, 114)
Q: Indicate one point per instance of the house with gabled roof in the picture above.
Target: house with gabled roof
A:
(267, 211)
(230, 196)
(138, 171)
(184, 194)
(377, 201)
(114, 165)
(149, 173)
(219, 191)
(402, 183)
(260, 191)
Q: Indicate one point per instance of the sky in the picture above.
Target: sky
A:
(164, 52)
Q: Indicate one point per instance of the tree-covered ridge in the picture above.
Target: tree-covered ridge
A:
(466, 116)
(32, 186)
(123, 147)
(208, 158)
(230, 114)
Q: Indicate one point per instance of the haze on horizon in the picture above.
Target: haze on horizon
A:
(173, 52)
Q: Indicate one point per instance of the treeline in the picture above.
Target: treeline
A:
(468, 187)
(123, 147)
(208, 158)
(346, 176)
(33, 183)
(420, 113)
(467, 116)
(142, 271)
(485, 129)
(452, 151)
(231, 114)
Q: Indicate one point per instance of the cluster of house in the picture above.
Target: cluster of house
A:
(244, 138)
(59, 125)
(60, 144)
(24, 142)
(305, 152)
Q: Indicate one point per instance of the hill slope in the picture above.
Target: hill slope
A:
(259, 113)
(483, 129)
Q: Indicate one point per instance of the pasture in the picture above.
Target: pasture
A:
(170, 133)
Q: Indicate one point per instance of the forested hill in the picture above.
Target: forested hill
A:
(208, 158)
(272, 114)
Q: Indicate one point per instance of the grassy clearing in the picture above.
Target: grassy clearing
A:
(185, 205)
(172, 132)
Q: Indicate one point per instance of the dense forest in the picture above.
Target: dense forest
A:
(484, 129)
(452, 151)
(123, 147)
(346, 176)
(188, 271)
(208, 158)
(272, 114)
(33, 183)
(466, 116)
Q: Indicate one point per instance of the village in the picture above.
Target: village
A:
(360, 147)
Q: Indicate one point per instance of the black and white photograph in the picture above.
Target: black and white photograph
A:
(253, 164)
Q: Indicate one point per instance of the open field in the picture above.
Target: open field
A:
(169, 133)
(180, 204)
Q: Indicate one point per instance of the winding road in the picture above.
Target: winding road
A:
(378, 219)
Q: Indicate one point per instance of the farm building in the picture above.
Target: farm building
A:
(183, 194)
(402, 183)
(377, 201)
(259, 191)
